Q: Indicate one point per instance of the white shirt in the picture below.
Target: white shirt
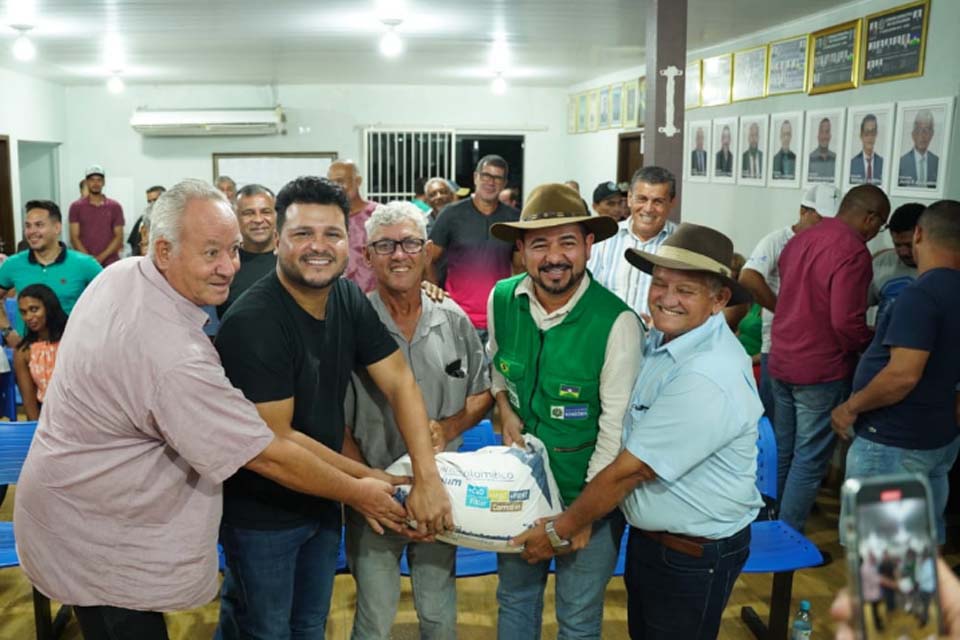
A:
(612, 270)
(621, 363)
(764, 260)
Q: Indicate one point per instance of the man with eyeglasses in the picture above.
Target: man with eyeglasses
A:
(439, 343)
(919, 166)
(652, 195)
(290, 344)
(475, 260)
(819, 331)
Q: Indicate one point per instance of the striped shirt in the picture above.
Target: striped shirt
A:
(611, 269)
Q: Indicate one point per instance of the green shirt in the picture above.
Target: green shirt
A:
(749, 330)
(67, 276)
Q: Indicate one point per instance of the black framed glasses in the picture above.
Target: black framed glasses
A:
(386, 247)
(490, 177)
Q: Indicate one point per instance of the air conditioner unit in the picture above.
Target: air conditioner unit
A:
(209, 122)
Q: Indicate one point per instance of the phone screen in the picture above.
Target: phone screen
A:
(897, 561)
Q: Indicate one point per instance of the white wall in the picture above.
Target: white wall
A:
(99, 131)
(39, 171)
(747, 213)
(31, 110)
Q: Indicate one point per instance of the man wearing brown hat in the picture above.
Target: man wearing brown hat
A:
(686, 477)
(565, 354)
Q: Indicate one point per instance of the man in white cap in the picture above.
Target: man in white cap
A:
(686, 477)
(761, 275)
(96, 221)
(565, 353)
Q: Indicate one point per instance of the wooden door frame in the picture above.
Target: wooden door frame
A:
(7, 227)
(621, 159)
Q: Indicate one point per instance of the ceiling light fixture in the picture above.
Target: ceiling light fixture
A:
(499, 55)
(391, 45)
(23, 48)
(115, 84)
(499, 85)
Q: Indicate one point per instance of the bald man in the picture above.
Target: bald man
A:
(919, 166)
(346, 174)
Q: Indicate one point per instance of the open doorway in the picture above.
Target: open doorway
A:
(470, 148)
(629, 155)
(8, 239)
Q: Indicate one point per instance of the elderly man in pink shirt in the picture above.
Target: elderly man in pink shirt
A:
(120, 498)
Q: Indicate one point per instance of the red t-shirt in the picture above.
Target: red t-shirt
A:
(97, 224)
(820, 326)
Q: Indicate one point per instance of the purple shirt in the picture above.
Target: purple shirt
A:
(357, 269)
(97, 224)
(820, 324)
(120, 498)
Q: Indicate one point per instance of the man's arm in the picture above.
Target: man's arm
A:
(757, 285)
(75, 238)
(599, 497)
(475, 407)
(888, 387)
(286, 462)
(114, 245)
(435, 252)
(428, 502)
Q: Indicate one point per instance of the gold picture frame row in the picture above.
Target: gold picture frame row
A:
(858, 71)
(620, 105)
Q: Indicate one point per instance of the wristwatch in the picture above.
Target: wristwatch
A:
(556, 541)
(5, 332)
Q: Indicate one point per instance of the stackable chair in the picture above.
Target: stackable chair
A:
(479, 436)
(775, 547)
(15, 439)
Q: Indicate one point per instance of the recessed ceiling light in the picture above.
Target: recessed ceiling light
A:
(23, 49)
(115, 84)
(390, 44)
(499, 85)
(499, 56)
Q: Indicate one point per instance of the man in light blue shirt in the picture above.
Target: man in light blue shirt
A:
(686, 477)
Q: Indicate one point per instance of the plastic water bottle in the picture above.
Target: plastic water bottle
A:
(802, 628)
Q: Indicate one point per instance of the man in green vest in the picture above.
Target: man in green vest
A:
(566, 352)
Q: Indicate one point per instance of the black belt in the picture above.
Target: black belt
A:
(687, 545)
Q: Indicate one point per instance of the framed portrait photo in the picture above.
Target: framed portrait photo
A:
(691, 84)
(895, 43)
(834, 58)
(717, 78)
(869, 141)
(749, 74)
(616, 106)
(784, 150)
(751, 170)
(787, 65)
(823, 146)
(603, 108)
(641, 101)
(726, 135)
(593, 120)
(697, 146)
(582, 109)
(922, 142)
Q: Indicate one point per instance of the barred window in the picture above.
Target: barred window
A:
(395, 159)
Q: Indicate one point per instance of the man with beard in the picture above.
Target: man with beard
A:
(96, 222)
(723, 166)
(895, 269)
(785, 160)
(290, 344)
(565, 354)
(823, 161)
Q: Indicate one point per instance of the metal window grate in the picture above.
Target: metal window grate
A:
(395, 159)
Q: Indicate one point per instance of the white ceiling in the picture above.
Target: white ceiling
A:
(552, 42)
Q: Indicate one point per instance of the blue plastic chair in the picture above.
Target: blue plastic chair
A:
(15, 439)
(479, 436)
(775, 547)
(9, 394)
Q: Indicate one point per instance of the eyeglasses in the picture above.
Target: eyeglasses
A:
(490, 177)
(386, 247)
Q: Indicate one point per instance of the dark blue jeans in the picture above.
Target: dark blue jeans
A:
(766, 388)
(674, 596)
(278, 583)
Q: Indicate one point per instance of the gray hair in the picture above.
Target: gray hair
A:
(426, 185)
(166, 215)
(396, 212)
(655, 175)
(221, 179)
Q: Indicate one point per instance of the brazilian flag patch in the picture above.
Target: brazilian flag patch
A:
(569, 391)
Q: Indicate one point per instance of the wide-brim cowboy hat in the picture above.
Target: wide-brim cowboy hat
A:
(553, 205)
(692, 247)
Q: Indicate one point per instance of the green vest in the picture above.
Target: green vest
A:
(553, 376)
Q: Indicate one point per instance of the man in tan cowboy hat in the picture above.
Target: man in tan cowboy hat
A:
(565, 354)
(686, 477)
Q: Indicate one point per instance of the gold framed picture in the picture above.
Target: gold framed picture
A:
(834, 58)
(693, 77)
(895, 43)
(749, 74)
(717, 80)
(787, 65)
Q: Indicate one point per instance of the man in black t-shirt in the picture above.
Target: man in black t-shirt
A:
(258, 226)
(290, 344)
